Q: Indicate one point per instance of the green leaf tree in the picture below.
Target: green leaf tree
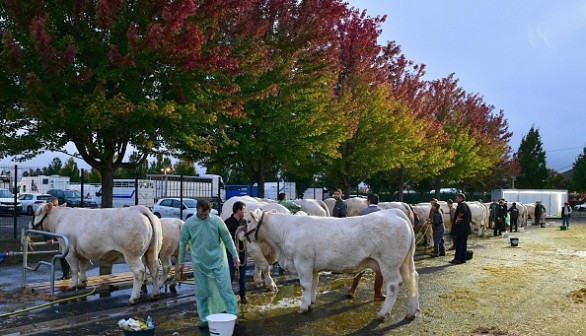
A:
(531, 158)
(579, 172)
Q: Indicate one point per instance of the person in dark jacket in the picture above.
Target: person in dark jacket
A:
(235, 223)
(566, 214)
(501, 213)
(438, 231)
(340, 209)
(514, 216)
(461, 229)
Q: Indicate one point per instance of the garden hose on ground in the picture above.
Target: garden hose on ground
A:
(49, 303)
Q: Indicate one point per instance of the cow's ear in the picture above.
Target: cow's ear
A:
(254, 214)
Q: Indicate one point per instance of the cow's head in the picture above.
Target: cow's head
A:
(256, 217)
(39, 217)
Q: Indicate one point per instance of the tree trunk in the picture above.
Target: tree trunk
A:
(107, 183)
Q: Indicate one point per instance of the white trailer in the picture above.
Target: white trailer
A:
(42, 183)
(125, 193)
(205, 186)
(314, 193)
(286, 187)
(553, 200)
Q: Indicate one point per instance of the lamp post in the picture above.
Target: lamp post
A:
(165, 170)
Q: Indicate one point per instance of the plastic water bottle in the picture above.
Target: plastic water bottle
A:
(149, 322)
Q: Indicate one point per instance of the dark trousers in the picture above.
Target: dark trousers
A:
(241, 271)
(514, 222)
(499, 226)
(461, 247)
(65, 268)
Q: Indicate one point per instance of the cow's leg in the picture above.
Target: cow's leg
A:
(269, 282)
(74, 269)
(306, 281)
(82, 274)
(315, 282)
(392, 279)
(411, 281)
(137, 268)
(152, 263)
(355, 283)
(165, 268)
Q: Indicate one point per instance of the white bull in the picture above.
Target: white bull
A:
(171, 228)
(307, 245)
(261, 254)
(106, 235)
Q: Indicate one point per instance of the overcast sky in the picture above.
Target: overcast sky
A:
(526, 57)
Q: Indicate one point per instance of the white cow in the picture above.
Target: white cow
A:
(106, 235)
(404, 207)
(261, 254)
(307, 245)
(353, 205)
(313, 207)
(171, 228)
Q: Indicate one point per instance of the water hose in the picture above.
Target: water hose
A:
(49, 303)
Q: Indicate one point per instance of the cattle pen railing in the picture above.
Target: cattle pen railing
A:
(27, 243)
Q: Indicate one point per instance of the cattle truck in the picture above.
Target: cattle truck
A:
(126, 192)
(553, 200)
(42, 183)
(202, 186)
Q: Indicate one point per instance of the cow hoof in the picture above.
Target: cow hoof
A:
(173, 289)
(82, 286)
(302, 310)
(132, 301)
(70, 289)
(410, 317)
(350, 294)
(155, 298)
(379, 318)
(380, 298)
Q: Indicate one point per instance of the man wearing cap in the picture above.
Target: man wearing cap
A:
(461, 229)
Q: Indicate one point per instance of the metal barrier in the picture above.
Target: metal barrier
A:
(25, 252)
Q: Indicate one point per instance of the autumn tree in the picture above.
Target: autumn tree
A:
(113, 75)
(531, 158)
(289, 113)
(477, 136)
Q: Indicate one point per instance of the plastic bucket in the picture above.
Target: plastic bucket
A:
(145, 332)
(514, 241)
(563, 228)
(221, 324)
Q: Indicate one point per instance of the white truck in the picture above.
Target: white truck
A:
(125, 192)
(273, 189)
(42, 183)
(204, 186)
(553, 200)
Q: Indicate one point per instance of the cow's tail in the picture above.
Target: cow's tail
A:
(410, 276)
(325, 207)
(152, 253)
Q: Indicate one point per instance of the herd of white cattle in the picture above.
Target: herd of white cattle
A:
(305, 244)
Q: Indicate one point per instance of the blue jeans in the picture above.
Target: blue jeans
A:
(566, 220)
(241, 271)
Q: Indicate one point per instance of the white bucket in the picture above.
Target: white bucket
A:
(221, 324)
